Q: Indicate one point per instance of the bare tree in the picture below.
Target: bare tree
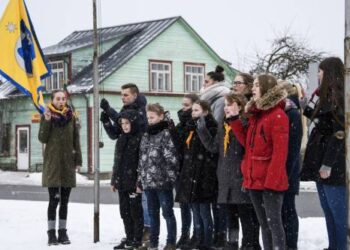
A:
(289, 59)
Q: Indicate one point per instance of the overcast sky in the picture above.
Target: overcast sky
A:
(234, 29)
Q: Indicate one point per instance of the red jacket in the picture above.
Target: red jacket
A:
(266, 147)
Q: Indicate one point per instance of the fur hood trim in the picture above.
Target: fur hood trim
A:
(268, 101)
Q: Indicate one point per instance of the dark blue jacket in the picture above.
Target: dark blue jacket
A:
(295, 137)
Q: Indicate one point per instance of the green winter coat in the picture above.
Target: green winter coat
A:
(61, 155)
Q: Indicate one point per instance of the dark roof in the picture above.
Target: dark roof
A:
(134, 38)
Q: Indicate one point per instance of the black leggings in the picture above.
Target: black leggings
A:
(268, 208)
(61, 196)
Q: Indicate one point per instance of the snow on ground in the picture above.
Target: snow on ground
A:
(34, 179)
(25, 178)
(23, 226)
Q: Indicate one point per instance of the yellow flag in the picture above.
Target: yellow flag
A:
(21, 60)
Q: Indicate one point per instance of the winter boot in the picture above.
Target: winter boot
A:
(220, 240)
(63, 237)
(193, 243)
(124, 244)
(136, 244)
(234, 246)
(146, 234)
(169, 247)
(204, 247)
(52, 237)
(184, 240)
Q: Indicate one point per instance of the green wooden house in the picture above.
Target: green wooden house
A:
(165, 58)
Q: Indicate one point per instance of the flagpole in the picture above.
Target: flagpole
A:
(96, 131)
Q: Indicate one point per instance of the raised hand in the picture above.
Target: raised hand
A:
(232, 110)
(104, 118)
(104, 104)
(47, 114)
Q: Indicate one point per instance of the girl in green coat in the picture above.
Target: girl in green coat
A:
(62, 156)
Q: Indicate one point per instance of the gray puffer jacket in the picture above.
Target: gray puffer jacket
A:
(158, 161)
(229, 173)
(215, 96)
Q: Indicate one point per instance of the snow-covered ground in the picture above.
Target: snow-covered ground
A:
(23, 226)
(34, 179)
(24, 178)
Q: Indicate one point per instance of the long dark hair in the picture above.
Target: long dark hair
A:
(332, 85)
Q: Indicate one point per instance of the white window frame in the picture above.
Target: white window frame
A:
(58, 76)
(196, 79)
(160, 75)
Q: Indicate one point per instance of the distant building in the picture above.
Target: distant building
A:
(165, 58)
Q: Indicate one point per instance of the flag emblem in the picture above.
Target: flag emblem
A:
(21, 59)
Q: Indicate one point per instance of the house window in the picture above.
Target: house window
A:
(58, 77)
(160, 76)
(5, 139)
(194, 77)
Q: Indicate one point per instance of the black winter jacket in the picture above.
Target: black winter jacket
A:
(198, 181)
(295, 136)
(126, 156)
(326, 146)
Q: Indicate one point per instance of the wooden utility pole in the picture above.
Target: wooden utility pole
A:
(96, 132)
(347, 106)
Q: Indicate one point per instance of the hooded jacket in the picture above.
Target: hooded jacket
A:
(126, 155)
(62, 152)
(265, 141)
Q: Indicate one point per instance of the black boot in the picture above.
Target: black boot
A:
(146, 234)
(220, 240)
(184, 240)
(52, 237)
(193, 243)
(234, 246)
(63, 237)
(124, 244)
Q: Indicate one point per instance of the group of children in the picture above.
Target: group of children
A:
(233, 157)
(200, 158)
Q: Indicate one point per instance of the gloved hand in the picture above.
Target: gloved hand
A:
(104, 105)
(104, 118)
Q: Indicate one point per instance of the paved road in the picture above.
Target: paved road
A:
(307, 202)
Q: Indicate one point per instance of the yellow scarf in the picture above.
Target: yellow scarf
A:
(189, 138)
(227, 137)
(53, 109)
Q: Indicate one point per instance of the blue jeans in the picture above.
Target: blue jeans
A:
(186, 218)
(333, 203)
(203, 222)
(164, 199)
(146, 219)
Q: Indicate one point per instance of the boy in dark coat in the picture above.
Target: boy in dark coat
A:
(124, 179)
